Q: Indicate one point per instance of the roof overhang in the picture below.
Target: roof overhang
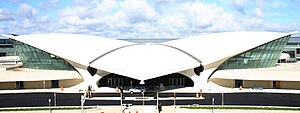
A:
(72, 47)
(257, 75)
(145, 61)
(37, 75)
(211, 48)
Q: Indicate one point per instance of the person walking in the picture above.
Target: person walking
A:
(159, 107)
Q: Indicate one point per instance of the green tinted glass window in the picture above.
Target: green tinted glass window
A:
(34, 58)
(262, 56)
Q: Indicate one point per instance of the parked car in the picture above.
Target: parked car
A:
(137, 90)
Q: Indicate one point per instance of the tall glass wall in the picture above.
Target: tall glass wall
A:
(34, 58)
(6, 48)
(262, 56)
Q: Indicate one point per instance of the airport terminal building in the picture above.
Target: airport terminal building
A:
(218, 61)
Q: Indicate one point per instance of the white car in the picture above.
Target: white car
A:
(137, 90)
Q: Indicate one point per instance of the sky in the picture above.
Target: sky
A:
(147, 19)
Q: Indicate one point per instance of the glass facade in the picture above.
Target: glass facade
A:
(6, 48)
(34, 58)
(293, 49)
(262, 56)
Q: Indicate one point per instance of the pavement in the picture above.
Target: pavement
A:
(181, 90)
(152, 109)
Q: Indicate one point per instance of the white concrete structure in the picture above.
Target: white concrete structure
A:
(150, 60)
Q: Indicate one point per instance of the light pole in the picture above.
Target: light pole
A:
(49, 101)
(222, 98)
(213, 103)
(121, 101)
(143, 98)
(54, 99)
(156, 99)
(174, 102)
(82, 102)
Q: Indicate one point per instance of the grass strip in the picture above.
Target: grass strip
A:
(240, 108)
(43, 109)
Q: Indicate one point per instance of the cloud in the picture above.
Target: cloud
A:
(138, 11)
(108, 12)
(26, 11)
(82, 2)
(27, 19)
(257, 12)
(143, 19)
(5, 15)
(239, 5)
(48, 5)
(94, 13)
(278, 4)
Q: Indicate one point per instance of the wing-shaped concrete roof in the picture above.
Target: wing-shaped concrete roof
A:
(146, 61)
(140, 61)
(77, 48)
(213, 49)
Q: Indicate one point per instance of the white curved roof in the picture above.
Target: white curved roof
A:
(146, 61)
(212, 48)
(74, 47)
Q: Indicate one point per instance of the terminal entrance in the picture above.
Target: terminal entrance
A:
(166, 82)
(115, 80)
(171, 81)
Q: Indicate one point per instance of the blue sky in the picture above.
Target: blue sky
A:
(147, 19)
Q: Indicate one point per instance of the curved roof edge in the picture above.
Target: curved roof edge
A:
(212, 48)
(145, 61)
(208, 48)
(73, 47)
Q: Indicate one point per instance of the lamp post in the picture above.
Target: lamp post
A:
(143, 98)
(157, 98)
(54, 99)
(121, 102)
(82, 102)
(174, 102)
(213, 103)
(49, 101)
(222, 98)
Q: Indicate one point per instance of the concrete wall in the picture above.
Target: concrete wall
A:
(36, 84)
(223, 82)
(269, 84)
(7, 85)
(257, 84)
(289, 85)
(69, 82)
(39, 84)
(246, 83)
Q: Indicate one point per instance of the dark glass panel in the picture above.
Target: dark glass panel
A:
(262, 56)
(34, 58)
